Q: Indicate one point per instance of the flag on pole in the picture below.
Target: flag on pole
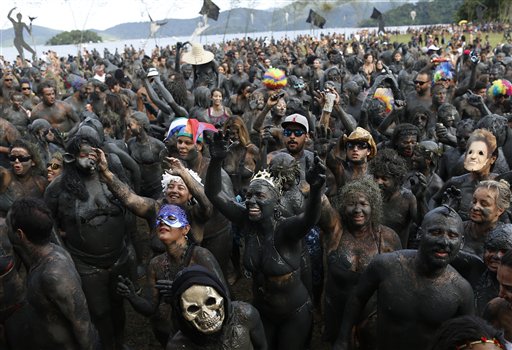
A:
(210, 9)
(315, 19)
(376, 14)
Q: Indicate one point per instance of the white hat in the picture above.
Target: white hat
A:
(433, 48)
(296, 119)
(198, 55)
(152, 72)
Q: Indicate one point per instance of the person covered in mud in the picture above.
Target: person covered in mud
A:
(93, 227)
(418, 290)
(58, 307)
(173, 230)
(272, 247)
(349, 253)
(481, 153)
(206, 317)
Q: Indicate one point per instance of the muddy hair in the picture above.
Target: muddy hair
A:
(33, 150)
(72, 182)
(389, 163)
(457, 332)
(502, 189)
(404, 129)
(178, 90)
(370, 190)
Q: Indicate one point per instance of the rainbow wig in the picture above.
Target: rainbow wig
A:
(386, 96)
(274, 79)
(500, 87)
(443, 72)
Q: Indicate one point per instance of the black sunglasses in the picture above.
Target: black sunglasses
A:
(297, 133)
(420, 82)
(21, 159)
(25, 88)
(359, 145)
(53, 166)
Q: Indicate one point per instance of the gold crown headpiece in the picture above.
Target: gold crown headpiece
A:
(267, 177)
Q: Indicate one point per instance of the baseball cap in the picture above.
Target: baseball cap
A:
(172, 216)
(296, 119)
(152, 72)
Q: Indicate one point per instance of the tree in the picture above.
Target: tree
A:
(75, 37)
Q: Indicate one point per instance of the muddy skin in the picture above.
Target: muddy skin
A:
(272, 251)
(95, 232)
(59, 114)
(409, 283)
(363, 238)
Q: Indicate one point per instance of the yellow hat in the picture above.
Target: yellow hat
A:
(360, 134)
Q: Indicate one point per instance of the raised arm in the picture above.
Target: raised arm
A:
(9, 15)
(296, 227)
(260, 118)
(141, 206)
(213, 184)
(167, 96)
(194, 187)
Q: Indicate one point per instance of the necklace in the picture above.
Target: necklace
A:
(171, 270)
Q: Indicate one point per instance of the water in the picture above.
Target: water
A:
(10, 53)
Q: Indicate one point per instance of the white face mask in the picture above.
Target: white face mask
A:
(477, 156)
(203, 306)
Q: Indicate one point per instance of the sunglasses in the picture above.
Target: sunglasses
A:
(53, 166)
(21, 159)
(25, 88)
(297, 133)
(359, 145)
(7, 79)
(418, 82)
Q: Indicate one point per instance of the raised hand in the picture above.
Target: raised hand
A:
(315, 174)
(323, 141)
(452, 197)
(101, 159)
(218, 145)
(418, 183)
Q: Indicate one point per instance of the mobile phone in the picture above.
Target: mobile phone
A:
(278, 96)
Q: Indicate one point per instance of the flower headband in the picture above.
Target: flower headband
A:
(482, 340)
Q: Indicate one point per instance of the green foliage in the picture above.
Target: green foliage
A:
(75, 37)
(497, 10)
(435, 12)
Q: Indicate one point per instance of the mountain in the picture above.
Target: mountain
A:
(342, 14)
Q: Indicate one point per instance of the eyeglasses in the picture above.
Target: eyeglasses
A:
(25, 88)
(418, 82)
(21, 159)
(297, 133)
(7, 79)
(359, 145)
(53, 166)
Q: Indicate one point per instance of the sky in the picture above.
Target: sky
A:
(102, 14)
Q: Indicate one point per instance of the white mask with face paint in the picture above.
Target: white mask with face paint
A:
(203, 306)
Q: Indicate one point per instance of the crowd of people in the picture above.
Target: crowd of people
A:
(359, 181)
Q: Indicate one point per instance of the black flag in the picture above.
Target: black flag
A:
(210, 9)
(376, 14)
(316, 19)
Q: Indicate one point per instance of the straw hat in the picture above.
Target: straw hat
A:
(198, 55)
(360, 134)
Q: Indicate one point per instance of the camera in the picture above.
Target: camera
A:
(473, 56)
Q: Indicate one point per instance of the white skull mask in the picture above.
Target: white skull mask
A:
(204, 308)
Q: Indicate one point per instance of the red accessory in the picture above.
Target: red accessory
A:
(482, 340)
